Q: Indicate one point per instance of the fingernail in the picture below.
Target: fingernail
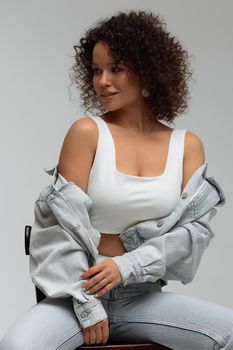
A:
(87, 292)
(83, 289)
(96, 295)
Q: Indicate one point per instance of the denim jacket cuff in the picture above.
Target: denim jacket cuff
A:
(90, 312)
(130, 270)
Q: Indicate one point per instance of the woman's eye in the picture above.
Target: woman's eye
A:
(95, 70)
(116, 69)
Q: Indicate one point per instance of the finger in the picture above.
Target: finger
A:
(92, 271)
(98, 286)
(105, 332)
(92, 332)
(104, 290)
(99, 335)
(94, 280)
(86, 336)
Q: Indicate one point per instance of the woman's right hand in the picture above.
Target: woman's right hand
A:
(97, 333)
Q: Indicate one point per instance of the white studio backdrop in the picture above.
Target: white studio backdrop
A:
(37, 39)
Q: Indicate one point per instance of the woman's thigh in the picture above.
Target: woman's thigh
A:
(49, 325)
(177, 321)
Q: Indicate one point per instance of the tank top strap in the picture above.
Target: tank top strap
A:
(176, 152)
(104, 157)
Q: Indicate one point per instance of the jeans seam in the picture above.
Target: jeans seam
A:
(64, 339)
(193, 328)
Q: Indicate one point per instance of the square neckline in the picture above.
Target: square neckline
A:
(136, 177)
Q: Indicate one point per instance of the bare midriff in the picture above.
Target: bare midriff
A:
(111, 245)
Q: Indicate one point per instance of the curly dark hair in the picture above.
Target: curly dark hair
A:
(138, 39)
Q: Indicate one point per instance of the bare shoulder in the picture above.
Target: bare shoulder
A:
(82, 135)
(78, 151)
(194, 155)
(193, 141)
(84, 126)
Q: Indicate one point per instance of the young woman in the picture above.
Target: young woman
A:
(132, 189)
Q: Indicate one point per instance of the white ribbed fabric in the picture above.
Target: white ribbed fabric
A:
(121, 200)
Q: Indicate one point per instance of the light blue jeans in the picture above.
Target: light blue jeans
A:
(139, 312)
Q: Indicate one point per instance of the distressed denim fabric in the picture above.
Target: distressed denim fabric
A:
(64, 244)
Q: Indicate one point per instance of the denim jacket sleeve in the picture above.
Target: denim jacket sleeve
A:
(61, 250)
(171, 248)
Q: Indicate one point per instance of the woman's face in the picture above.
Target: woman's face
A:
(113, 80)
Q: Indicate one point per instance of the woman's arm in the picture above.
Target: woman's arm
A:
(57, 255)
(194, 156)
(77, 152)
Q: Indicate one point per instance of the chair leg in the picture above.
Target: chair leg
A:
(39, 295)
(27, 235)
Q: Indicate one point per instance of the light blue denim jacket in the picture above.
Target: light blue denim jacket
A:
(64, 244)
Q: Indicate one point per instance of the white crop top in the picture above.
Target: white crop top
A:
(121, 200)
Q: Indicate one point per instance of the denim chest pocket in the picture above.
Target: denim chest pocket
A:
(149, 230)
(141, 238)
(189, 214)
(73, 194)
(132, 241)
(213, 196)
(44, 214)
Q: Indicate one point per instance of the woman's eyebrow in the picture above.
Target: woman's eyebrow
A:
(96, 64)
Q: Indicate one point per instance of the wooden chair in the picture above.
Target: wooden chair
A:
(40, 296)
(124, 347)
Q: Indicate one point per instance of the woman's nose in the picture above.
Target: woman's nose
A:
(105, 79)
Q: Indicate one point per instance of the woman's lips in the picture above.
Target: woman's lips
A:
(108, 97)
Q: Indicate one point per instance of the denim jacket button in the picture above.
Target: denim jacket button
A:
(131, 277)
(53, 196)
(160, 223)
(84, 314)
(184, 195)
(76, 228)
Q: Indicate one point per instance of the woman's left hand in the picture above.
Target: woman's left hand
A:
(102, 277)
